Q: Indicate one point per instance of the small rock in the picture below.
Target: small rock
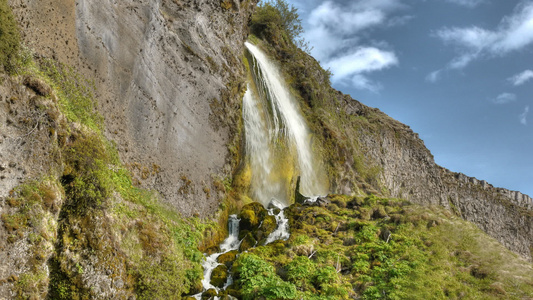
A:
(209, 294)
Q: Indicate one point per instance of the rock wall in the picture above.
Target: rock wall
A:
(168, 77)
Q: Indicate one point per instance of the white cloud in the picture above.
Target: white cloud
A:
(434, 76)
(514, 33)
(362, 60)
(523, 116)
(338, 19)
(504, 98)
(467, 3)
(521, 78)
(361, 82)
(474, 38)
(337, 33)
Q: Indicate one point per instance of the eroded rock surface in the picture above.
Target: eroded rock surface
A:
(168, 78)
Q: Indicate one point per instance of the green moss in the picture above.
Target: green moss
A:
(9, 36)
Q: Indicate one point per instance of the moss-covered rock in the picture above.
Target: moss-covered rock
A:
(251, 216)
(269, 225)
(209, 294)
(219, 276)
(228, 258)
(248, 242)
(379, 212)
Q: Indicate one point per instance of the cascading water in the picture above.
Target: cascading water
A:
(282, 230)
(273, 121)
(232, 242)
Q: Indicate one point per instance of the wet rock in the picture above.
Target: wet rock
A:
(251, 216)
(299, 198)
(209, 294)
(234, 292)
(320, 201)
(196, 287)
(228, 258)
(269, 225)
(247, 243)
(219, 276)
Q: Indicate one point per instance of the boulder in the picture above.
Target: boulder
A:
(228, 258)
(251, 216)
(219, 276)
(209, 294)
(247, 243)
(268, 225)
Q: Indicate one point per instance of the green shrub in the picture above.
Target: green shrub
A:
(277, 18)
(86, 175)
(257, 278)
(9, 35)
(300, 271)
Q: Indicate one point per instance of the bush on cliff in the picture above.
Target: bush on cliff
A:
(9, 35)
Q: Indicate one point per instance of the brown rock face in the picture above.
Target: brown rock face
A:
(168, 79)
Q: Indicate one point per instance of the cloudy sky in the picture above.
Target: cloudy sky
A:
(459, 72)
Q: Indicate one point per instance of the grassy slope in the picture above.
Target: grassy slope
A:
(377, 248)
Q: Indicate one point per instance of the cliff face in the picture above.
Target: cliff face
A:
(168, 76)
(407, 170)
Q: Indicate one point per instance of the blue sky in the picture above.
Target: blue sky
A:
(459, 72)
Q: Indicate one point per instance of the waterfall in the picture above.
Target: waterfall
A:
(278, 142)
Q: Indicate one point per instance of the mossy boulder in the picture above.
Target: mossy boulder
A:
(251, 216)
(231, 290)
(248, 242)
(209, 294)
(269, 225)
(219, 276)
(379, 212)
(355, 202)
(228, 258)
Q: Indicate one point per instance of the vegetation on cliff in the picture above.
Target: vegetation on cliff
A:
(9, 36)
(87, 231)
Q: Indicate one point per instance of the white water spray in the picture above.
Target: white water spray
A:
(282, 230)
